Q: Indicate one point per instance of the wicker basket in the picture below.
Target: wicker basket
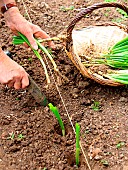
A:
(78, 42)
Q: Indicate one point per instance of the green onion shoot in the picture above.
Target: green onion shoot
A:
(21, 39)
(77, 143)
(57, 115)
(120, 76)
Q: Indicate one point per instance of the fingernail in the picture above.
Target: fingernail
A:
(35, 46)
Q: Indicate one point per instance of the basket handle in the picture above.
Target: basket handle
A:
(88, 10)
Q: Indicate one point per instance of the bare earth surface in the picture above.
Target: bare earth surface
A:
(30, 137)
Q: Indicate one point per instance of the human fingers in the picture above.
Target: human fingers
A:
(27, 46)
(22, 81)
(29, 35)
(10, 83)
(16, 33)
(44, 35)
(25, 81)
(17, 84)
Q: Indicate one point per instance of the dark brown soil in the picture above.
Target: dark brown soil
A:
(40, 146)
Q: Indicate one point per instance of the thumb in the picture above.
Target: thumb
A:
(25, 81)
(32, 41)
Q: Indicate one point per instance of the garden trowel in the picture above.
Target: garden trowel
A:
(33, 88)
(35, 91)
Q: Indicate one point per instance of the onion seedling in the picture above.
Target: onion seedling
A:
(21, 39)
(77, 143)
(57, 115)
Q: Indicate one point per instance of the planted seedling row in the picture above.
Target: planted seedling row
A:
(22, 39)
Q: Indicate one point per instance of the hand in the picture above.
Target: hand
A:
(12, 74)
(17, 23)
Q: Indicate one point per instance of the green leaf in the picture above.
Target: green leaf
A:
(119, 145)
(77, 143)
(96, 106)
(121, 78)
(121, 43)
(57, 115)
(20, 136)
(12, 136)
(104, 162)
(122, 12)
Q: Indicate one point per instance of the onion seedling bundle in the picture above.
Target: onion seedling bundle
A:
(118, 55)
(77, 143)
(116, 60)
(57, 115)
